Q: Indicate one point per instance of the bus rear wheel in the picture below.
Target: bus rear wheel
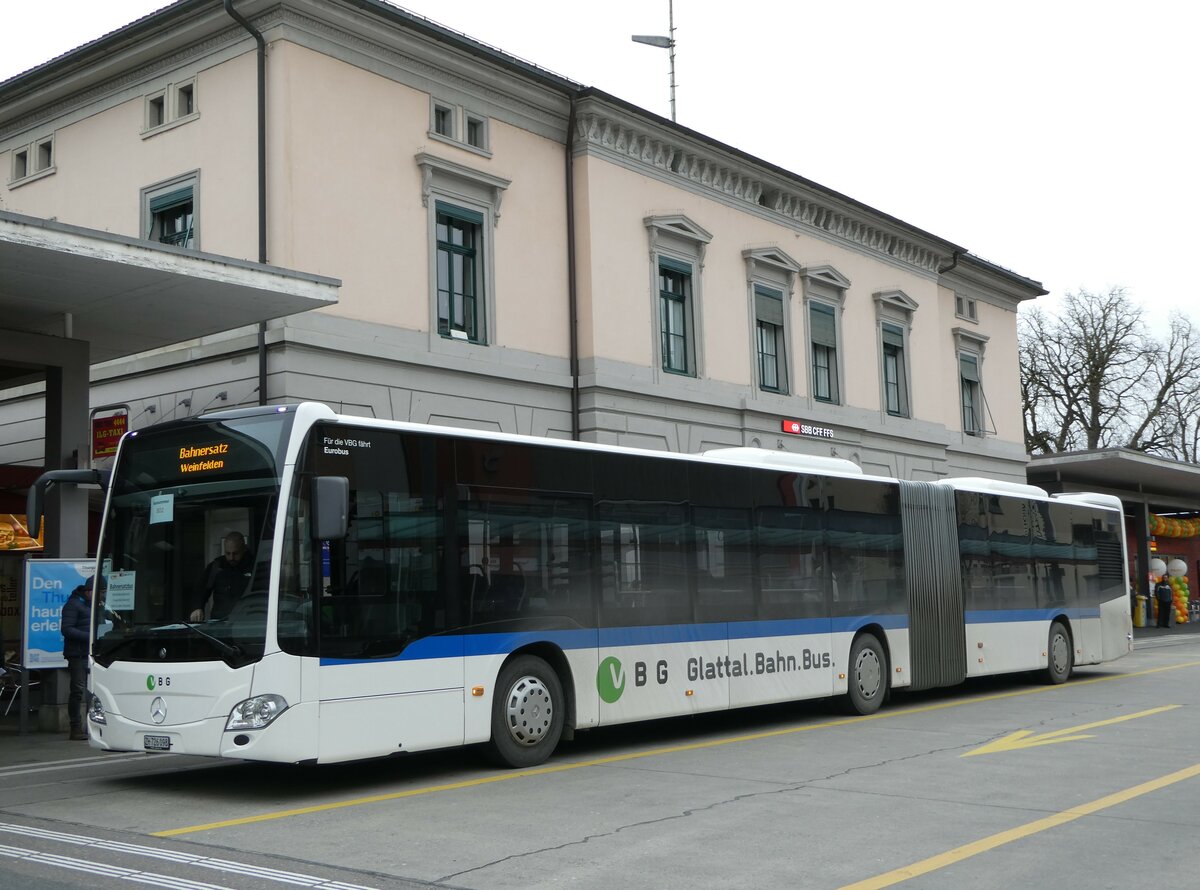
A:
(527, 713)
(1060, 656)
(868, 675)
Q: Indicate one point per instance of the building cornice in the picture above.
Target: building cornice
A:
(408, 48)
(670, 155)
(385, 40)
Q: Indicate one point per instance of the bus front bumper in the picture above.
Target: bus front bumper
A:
(290, 738)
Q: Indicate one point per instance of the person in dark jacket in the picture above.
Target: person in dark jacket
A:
(1162, 592)
(76, 627)
(225, 579)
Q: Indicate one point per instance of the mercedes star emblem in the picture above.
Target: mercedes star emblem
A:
(158, 710)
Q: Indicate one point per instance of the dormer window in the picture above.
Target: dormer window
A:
(458, 126)
(169, 107)
(185, 100)
(156, 111)
(45, 154)
(443, 121)
(20, 164)
(31, 162)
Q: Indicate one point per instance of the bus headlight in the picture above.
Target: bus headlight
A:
(255, 713)
(96, 710)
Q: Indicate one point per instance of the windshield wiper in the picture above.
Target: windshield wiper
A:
(107, 647)
(227, 649)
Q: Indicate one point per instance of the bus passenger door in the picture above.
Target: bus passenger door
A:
(391, 673)
(389, 681)
(376, 707)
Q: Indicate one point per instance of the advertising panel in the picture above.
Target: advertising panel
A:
(48, 584)
(14, 533)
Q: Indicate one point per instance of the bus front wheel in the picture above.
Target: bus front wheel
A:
(527, 713)
(1060, 656)
(868, 675)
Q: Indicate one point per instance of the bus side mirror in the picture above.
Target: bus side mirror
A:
(37, 491)
(331, 507)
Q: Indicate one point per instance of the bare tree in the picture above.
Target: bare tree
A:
(1171, 391)
(1181, 411)
(1092, 376)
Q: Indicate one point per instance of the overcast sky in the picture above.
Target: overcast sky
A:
(1056, 138)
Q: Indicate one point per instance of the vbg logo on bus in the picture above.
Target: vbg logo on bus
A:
(610, 678)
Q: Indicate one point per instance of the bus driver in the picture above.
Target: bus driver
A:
(225, 579)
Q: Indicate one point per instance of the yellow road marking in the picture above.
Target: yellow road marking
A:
(653, 752)
(958, 854)
(1025, 738)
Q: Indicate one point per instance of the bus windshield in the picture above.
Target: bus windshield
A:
(186, 551)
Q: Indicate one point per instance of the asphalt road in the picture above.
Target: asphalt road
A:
(1003, 783)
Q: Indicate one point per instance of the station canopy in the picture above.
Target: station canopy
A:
(1164, 485)
(124, 295)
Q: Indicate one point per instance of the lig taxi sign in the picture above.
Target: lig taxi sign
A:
(106, 433)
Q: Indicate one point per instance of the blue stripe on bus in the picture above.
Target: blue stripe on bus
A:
(496, 644)
(998, 616)
(457, 645)
(887, 622)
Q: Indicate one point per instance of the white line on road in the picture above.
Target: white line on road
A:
(75, 763)
(176, 856)
(108, 871)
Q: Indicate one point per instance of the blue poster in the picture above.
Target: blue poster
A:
(48, 584)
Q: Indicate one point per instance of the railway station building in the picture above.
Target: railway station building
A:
(517, 251)
(483, 244)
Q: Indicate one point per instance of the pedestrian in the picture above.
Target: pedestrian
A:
(1162, 592)
(76, 628)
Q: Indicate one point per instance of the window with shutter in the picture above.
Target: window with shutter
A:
(822, 329)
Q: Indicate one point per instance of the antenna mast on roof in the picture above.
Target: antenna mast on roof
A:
(667, 43)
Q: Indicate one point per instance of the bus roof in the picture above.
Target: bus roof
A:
(309, 413)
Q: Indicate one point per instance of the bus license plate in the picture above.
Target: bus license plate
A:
(157, 742)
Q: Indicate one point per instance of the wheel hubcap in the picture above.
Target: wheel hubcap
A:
(1059, 653)
(868, 673)
(529, 710)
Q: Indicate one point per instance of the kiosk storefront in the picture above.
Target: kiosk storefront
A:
(1162, 515)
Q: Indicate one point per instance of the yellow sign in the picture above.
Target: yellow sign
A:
(202, 458)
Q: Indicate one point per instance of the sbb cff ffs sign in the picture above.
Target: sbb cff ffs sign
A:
(106, 433)
(800, 428)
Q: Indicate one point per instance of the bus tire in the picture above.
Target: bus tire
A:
(527, 713)
(1060, 654)
(868, 675)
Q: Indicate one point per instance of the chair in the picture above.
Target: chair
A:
(10, 684)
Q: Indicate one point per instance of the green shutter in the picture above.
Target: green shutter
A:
(674, 265)
(159, 203)
(969, 368)
(822, 325)
(768, 305)
(893, 336)
(459, 213)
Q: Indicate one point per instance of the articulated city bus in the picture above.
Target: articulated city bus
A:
(405, 587)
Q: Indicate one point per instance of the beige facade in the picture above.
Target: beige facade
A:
(357, 175)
